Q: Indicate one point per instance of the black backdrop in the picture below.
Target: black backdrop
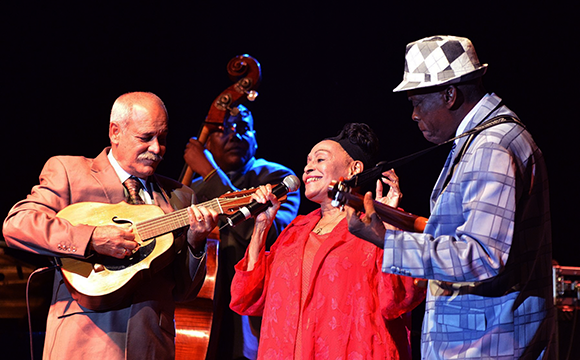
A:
(63, 66)
(322, 65)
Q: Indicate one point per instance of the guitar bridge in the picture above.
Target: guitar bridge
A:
(114, 264)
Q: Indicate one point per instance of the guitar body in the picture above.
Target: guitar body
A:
(106, 286)
(103, 282)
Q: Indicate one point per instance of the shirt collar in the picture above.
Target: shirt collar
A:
(469, 116)
(122, 174)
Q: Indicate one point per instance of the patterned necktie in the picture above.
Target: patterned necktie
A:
(133, 185)
(444, 176)
(450, 164)
(451, 155)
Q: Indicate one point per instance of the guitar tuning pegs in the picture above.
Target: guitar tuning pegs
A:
(335, 202)
(234, 111)
(243, 85)
(252, 95)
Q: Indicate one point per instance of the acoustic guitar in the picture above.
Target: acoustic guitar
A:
(342, 195)
(104, 282)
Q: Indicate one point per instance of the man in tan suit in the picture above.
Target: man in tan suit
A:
(142, 326)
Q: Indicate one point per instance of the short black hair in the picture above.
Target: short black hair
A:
(360, 142)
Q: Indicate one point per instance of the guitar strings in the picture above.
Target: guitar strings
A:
(180, 218)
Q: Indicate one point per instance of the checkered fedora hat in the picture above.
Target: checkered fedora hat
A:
(439, 60)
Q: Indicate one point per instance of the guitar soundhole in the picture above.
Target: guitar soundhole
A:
(113, 264)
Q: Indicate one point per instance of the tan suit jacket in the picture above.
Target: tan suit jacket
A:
(143, 329)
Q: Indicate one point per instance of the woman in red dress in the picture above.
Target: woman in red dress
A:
(320, 290)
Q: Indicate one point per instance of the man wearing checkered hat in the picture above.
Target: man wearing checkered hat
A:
(486, 249)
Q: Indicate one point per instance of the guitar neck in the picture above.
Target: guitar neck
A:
(398, 218)
(178, 219)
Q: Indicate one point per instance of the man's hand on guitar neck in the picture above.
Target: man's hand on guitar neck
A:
(201, 222)
(115, 241)
(370, 227)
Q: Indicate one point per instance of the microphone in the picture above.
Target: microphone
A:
(289, 184)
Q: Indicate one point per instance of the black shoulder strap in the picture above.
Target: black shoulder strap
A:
(472, 133)
(489, 123)
(375, 172)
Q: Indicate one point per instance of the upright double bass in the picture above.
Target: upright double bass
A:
(193, 320)
(246, 73)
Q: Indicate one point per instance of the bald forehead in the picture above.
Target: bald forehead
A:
(142, 99)
(129, 105)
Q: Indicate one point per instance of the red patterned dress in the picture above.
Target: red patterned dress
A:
(332, 302)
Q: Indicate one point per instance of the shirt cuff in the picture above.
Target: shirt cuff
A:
(196, 253)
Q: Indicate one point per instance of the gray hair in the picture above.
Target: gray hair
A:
(123, 107)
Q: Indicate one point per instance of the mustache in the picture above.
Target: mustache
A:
(149, 156)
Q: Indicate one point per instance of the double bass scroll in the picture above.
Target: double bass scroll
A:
(246, 74)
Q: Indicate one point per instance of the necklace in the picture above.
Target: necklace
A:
(318, 229)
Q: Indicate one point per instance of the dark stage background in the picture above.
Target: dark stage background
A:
(322, 66)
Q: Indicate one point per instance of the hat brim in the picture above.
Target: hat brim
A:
(406, 85)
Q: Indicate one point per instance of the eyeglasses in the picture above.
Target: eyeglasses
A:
(238, 127)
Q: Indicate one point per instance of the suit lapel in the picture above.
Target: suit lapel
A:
(485, 111)
(442, 176)
(105, 175)
(114, 191)
(160, 197)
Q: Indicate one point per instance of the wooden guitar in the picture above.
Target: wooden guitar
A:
(342, 195)
(105, 282)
